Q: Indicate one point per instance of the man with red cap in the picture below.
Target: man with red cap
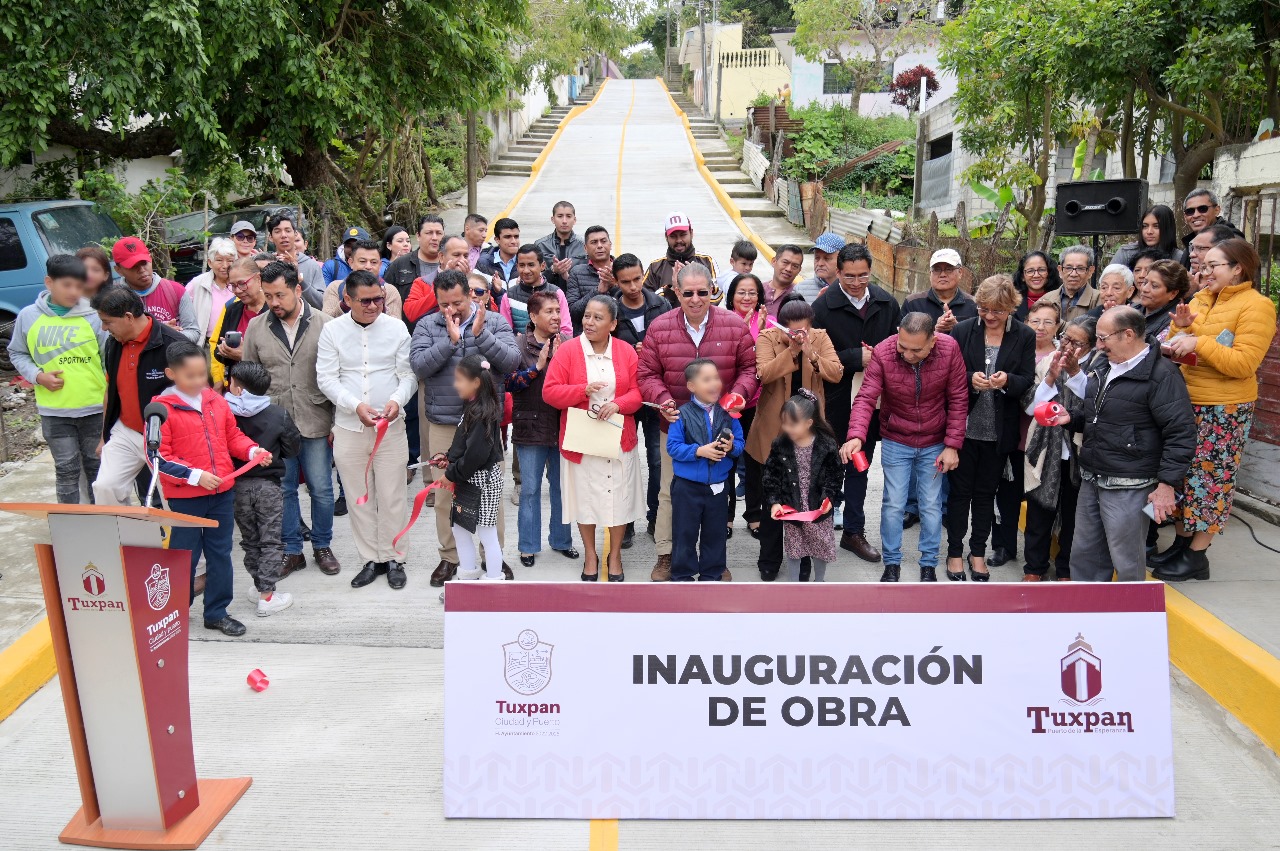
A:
(680, 252)
(166, 301)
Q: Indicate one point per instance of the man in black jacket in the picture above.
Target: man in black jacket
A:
(1139, 439)
(857, 315)
(134, 359)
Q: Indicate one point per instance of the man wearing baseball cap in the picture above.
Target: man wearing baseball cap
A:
(661, 273)
(338, 267)
(166, 301)
(944, 300)
(825, 249)
(245, 237)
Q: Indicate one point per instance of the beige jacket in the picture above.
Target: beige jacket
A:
(774, 367)
(293, 372)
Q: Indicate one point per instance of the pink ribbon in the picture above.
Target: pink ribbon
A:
(789, 513)
(418, 502)
(380, 431)
(242, 470)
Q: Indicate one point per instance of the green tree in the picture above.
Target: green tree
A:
(827, 29)
(759, 18)
(562, 33)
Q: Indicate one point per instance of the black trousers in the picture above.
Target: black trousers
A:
(1009, 495)
(973, 487)
(1039, 536)
(697, 531)
(751, 510)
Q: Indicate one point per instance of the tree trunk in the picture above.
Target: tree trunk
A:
(307, 168)
(1126, 138)
(1035, 209)
(1189, 163)
(1147, 128)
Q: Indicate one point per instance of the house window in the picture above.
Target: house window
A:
(939, 147)
(836, 79)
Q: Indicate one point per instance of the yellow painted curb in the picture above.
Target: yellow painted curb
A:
(603, 835)
(542, 157)
(1234, 671)
(721, 195)
(25, 666)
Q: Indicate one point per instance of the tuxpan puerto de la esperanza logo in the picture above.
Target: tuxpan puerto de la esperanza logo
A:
(157, 586)
(95, 585)
(526, 668)
(1081, 686)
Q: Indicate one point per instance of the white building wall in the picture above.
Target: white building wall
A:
(806, 79)
(134, 173)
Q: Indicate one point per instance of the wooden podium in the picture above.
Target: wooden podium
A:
(118, 606)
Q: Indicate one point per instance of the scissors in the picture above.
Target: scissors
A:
(594, 413)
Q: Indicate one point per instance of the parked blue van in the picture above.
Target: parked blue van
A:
(29, 233)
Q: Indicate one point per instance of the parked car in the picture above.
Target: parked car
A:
(29, 233)
(190, 250)
(186, 234)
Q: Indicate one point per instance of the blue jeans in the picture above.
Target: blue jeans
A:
(533, 461)
(900, 463)
(913, 505)
(215, 544)
(316, 461)
(697, 531)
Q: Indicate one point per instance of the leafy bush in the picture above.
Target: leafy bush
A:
(834, 135)
(851, 199)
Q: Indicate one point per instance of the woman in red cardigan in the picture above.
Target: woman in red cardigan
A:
(596, 372)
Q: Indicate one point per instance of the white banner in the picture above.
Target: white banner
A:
(838, 701)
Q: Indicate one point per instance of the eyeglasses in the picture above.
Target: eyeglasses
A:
(943, 270)
(1035, 273)
(1102, 338)
(988, 312)
(1075, 270)
(245, 236)
(239, 285)
(692, 293)
(370, 302)
(1042, 323)
(1068, 343)
(864, 277)
(1202, 209)
(1212, 266)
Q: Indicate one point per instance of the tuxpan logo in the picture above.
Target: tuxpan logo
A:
(1080, 673)
(526, 663)
(157, 585)
(92, 580)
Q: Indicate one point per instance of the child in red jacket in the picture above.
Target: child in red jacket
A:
(196, 444)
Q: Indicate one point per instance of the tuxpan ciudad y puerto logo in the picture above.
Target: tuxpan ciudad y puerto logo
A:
(526, 669)
(1081, 701)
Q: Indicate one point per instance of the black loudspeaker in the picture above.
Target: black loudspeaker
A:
(1101, 207)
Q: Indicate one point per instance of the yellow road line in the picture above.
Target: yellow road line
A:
(542, 157)
(617, 189)
(604, 835)
(25, 666)
(722, 196)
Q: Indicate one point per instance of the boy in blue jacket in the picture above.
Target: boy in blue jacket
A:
(703, 444)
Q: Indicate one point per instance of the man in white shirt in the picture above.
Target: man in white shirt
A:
(362, 366)
(1139, 439)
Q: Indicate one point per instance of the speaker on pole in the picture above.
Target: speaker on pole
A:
(1100, 207)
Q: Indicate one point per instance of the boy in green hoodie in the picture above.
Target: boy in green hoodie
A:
(56, 346)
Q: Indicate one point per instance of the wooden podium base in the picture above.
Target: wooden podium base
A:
(217, 797)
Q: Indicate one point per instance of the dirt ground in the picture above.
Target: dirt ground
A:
(20, 437)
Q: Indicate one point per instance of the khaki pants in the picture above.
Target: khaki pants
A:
(123, 456)
(662, 525)
(377, 522)
(439, 438)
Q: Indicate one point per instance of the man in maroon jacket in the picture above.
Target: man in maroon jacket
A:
(920, 380)
(697, 330)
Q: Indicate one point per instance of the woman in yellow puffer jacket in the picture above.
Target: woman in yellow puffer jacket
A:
(1229, 326)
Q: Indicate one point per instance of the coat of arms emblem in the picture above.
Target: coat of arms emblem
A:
(526, 663)
(157, 586)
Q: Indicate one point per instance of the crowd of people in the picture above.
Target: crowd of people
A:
(1109, 410)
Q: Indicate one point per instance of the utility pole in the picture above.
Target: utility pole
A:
(702, 37)
(473, 162)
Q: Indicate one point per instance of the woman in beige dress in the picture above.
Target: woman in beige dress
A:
(597, 373)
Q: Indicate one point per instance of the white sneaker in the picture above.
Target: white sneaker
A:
(487, 578)
(469, 575)
(837, 517)
(280, 600)
(253, 594)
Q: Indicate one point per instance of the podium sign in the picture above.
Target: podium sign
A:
(834, 701)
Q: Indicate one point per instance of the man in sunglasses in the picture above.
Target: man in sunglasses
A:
(697, 329)
(1201, 212)
(440, 340)
(362, 366)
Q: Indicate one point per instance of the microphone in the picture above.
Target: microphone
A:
(154, 414)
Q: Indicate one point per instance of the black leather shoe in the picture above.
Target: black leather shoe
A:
(367, 574)
(527, 561)
(892, 572)
(227, 626)
(1190, 564)
(956, 577)
(628, 539)
(728, 532)
(768, 574)
(340, 506)
(507, 573)
(910, 519)
(568, 552)
(395, 575)
(975, 575)
(444, 571)
(999, 557)
(1167, 556)
(928, 574)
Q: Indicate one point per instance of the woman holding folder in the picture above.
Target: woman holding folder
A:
(594, 374)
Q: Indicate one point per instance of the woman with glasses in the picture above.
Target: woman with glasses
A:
(597, 373)
(1036, 275)
(1162, 288)
(999, 356)
(1159, 230)
(1228, 326)
(245, 237)
(1051, 472)
(210, 291)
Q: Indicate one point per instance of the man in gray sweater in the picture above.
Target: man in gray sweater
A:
(459, 328)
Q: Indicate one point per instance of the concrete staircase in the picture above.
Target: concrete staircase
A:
(519, 157)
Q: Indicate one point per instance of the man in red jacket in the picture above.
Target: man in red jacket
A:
(697, 330)
(920, 381)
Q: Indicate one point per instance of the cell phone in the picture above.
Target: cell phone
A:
(1150, 510)
(232, 339)
(726, 435)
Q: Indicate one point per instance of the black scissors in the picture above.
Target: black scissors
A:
(594, 413)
